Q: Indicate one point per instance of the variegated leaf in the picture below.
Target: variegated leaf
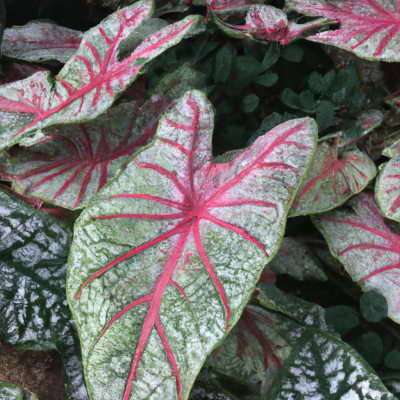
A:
(166, 256)
(331, 181)
(370, 252)
(75, 161)
(40, 41)
(90, 80)
(368, 28)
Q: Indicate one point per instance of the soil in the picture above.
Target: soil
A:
(38, 371)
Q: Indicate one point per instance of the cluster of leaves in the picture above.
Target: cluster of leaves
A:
(189, 207)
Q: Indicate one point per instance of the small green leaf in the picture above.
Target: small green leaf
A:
(8, 391)
(245, 69)
(271, 56)
(370, 346)
(292, 52)
(307, 100)
(304, 101)
(374, 306)
(392, 359)
(325, 115)
(343, 318)
(224, 61)
(268, 79)
(250, 103)
(320, 84)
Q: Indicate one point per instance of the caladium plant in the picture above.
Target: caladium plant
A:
(163, 282)
(40, 41)
(9, 391)
(388, 190)
(331, 180)
(369, 250)
(368, 28)
(75, 161)
(91, 79)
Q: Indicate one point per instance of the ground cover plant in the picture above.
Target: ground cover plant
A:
(199, 200)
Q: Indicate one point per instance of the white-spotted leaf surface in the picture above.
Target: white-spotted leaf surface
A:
(165, 258)
(91, 79)
(370, 252)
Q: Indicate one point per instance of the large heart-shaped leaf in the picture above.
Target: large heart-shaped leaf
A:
(76, 161)
(8, 391)
(362, 242)
(90, 80)
(331, 181)
(34, 312)
(368, 28)
(40, 41)
(164, 261)
(388, 188)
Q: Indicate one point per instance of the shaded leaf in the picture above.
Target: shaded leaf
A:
(34, 312)
(76, 161)
(8, 391)
(152, 251)
(250, 103)
(369, 251)
(392, 359)
(373, 306)
(90, 80)
(297, 260)
(325, 115)
(342, 318)
(224, 61)
(370, 347)
(368, 28)
(331, 181)
(40, 41)
(268, 79)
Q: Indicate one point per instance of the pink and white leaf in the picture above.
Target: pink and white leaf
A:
(387, 188)
(40, 41)
(368, 249)
(368, 28)
(167, 255)
(331, 181)
(74, 162)
(91, 79)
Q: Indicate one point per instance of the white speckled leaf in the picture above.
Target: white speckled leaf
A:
(8, 391)
(257, 347)
(297, 260)
(331, 181)
(387, 188)
(323, 367)
(75, 161)
(40, 41)
(368, 28)
(91, 79)
(166, 256)
(34, 312)
(370, 252)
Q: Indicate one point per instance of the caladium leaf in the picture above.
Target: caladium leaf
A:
(366, 247)
(368, 28)
(34, 312)
(90, 80)
(297, 260)
(263, 23)
(8, 391)
(331, 181)
(76, 161)
(387, 188)
(18, 71)
(164, 261)
(40, 41)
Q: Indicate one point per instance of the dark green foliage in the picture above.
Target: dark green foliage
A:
(343, 318)
(370, 346)
(373, 306)
(392, 359)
